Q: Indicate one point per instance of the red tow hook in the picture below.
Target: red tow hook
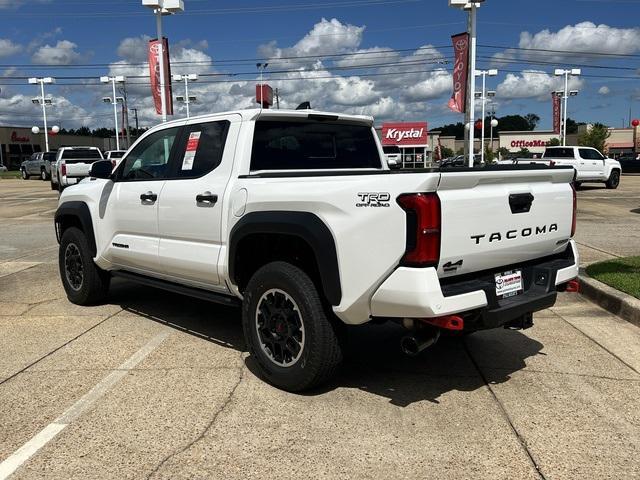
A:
(448, 322)
(573, 286)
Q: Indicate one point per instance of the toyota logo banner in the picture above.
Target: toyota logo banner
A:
(458, 100)
(154, 72)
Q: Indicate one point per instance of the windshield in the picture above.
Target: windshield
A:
(291, 145)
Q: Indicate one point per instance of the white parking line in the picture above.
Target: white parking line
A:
(26, 451)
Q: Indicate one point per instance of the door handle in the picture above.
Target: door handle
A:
(207, 197)
(148, 197)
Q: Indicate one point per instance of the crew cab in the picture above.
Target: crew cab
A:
(38, 164)
(73, 164)
(590, 165)
(295, 217)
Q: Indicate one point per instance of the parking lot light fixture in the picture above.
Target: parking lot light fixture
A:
(43, 101)
(561, 72)
(471, 7)
(113, 80)
(191, 77)
(483, 95)
(160, 8)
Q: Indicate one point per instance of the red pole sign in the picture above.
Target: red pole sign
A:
(556, 112)
(154, 72)
(458, 100)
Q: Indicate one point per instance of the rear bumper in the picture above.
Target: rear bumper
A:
(419, 293)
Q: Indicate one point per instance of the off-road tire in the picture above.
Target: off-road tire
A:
(53, 185)
(321, 352)
(614, 180)
(25, 175)
(94, 284)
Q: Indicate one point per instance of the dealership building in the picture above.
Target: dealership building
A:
(18, 143)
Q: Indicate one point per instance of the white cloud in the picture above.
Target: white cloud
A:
(582, 38)
(18, 110)
(8, 48)
(63, 53)
(604, 90)
(533, 84)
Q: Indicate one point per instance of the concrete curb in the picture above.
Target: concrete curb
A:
(615, 301)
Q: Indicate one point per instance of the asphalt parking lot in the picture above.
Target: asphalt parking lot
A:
(154, 385)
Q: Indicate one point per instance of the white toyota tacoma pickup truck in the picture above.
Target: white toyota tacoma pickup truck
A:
(295, 216)
(590, 165)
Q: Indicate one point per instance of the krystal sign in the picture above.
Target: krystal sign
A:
(405, 134)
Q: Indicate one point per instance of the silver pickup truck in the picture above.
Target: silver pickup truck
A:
(39, 164)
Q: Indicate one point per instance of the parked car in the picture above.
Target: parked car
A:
(460, 161)
(589, 164)
(3, 168)
(295, 216)
(73, 164)
(630, 163)
(393, 156)
(38, 164)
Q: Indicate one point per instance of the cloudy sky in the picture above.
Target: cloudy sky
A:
(386, 58)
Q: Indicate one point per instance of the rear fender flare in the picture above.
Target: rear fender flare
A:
(304, 225)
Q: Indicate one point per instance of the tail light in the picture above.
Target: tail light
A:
(575, 210)
(63, 169)
(423, 229)
(113, 163)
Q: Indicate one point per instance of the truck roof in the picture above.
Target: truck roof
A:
(254, 113)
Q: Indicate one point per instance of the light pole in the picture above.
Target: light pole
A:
(44, 102)
(186, 78)
(483, 73)
(122, 101)
(471, 7)
(113, 80)
(261, 67)
(160, 8)
(574, 72)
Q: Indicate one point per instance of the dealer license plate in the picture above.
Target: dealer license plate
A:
(509, 283)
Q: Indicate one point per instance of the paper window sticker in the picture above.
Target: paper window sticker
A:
(190, 151)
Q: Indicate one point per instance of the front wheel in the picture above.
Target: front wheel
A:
(84, 282)
(614, 179)
(43, 175)
(25, 175)
(287, 330)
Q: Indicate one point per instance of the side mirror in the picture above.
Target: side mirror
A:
(101, 169)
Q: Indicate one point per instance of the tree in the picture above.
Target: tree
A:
(489, 156)
(572, 125)
(503, 152)
(512, 123)
(532, 120)
(554, 142)
(595, 137)
(446, 152)
(451, 130)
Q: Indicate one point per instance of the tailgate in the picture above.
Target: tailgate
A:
(79, 167)
(495, 218)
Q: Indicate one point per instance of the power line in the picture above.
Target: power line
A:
(569, 52)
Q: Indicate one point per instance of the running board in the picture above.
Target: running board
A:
(200, 293)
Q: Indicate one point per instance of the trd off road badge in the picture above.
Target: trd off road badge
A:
(373, 199)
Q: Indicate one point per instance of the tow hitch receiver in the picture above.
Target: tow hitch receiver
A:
(573, 286)
(448, 322)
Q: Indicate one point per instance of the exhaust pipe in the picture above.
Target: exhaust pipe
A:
(414, 344)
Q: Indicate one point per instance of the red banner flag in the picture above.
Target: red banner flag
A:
(556, 112)
(154, 72)
(458, 101)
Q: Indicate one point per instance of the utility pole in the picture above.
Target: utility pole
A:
(125, 113)
(135, 115)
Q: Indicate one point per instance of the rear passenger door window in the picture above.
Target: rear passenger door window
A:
(201, 149)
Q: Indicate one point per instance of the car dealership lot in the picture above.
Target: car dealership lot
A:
(156, 385)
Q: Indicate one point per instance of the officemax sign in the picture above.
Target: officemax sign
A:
(405, 134)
